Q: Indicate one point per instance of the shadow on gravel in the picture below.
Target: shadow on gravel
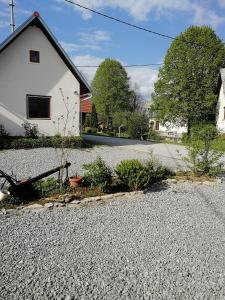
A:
(157, 187)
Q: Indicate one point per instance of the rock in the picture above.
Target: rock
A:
(59, 204)
(3, 211)
(49, 205)
(171, 180)
(75, 202)
(34, 206)
(68, 198)
(210, 183)
(106, 197)
(91, 199)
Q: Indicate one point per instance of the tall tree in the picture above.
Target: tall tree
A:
(110, 89)
(94, 117)
(187, 86)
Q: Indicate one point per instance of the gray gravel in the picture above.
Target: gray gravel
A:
(166, 244)
(29, 163)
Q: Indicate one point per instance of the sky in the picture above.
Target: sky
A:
(89, 38)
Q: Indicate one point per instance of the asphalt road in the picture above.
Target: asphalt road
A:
(161, 150)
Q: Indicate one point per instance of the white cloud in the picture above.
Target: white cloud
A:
(144, 76)
(88, 41)
(72, 47)
(142, 8)
(95, 36)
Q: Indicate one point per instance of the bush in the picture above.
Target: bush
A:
(3, 132)
(137, 176)
(93, 130)
(41, 142)
(31, 130)
(88, 129)
(98, 174)
(153, 135)
(201, 157)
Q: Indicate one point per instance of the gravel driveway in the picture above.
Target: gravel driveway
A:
(166, 244)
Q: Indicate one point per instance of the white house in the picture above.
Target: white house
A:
(34, 73)
(171, 130)
(167, 130)
(220, 117)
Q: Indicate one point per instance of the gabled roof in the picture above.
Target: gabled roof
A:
(36, 20)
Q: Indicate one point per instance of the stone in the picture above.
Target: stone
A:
(75, 202)
(3, 211)
(49, 205)
(68, 198)
(91, 199)
(59, 204)
(33, 206)
(210, 183)
(171, 180)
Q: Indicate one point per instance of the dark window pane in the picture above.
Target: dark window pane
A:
(34, 56)
(39, 107)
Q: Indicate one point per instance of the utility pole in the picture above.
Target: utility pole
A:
(11, 5)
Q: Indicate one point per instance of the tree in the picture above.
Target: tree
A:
(110, 90)
(187, 86)
(138, 124)
(135, 100)
(94, 117)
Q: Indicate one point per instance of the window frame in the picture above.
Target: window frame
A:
(35, 62)
(157, 125)
(38, 96)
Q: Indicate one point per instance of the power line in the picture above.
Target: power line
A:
(125, 66)
(131, 25)
(121, 21)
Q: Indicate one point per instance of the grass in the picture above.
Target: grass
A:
(183, 175)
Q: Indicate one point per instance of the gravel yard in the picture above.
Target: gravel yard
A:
(166, 244)
(29, 163)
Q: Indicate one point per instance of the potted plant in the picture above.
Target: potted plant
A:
(75, 181)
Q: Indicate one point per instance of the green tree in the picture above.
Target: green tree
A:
(110, 90)
(187, 86)
(138, 124)
(94, 117)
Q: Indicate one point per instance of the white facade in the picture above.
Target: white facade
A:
(19, 77)
(220, 117)
(167, 130)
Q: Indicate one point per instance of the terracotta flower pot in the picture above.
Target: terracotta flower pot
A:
(75, 181)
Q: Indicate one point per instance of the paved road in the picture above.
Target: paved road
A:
(161, 150)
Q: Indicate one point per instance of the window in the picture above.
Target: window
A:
(34, 56)
(38, 107)
(224, 112)
(157, 125)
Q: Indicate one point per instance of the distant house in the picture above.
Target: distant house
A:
(33, 69)
(220, 117)
(86, 107)
(168, 130)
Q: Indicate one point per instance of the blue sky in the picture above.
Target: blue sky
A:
(89, 38)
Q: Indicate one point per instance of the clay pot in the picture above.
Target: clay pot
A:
(75, 181)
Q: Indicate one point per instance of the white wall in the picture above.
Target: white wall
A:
(169, 129)
(220, 121)
(19, 77)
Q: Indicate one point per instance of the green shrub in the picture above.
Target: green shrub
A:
(88, 129)
(98, 174)
(133, 174)
(202, 158)
(153, 135)
(93, 130)
(137, 176)
(41, 142)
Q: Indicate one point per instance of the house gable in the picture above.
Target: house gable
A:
(36, 20)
